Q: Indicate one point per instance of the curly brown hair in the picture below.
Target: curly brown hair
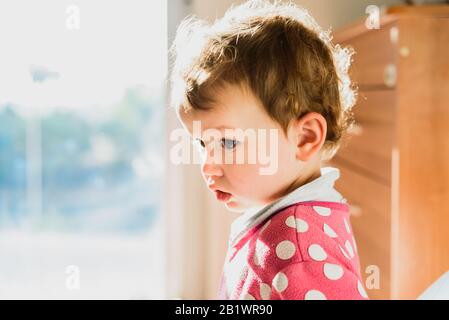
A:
(279, 52)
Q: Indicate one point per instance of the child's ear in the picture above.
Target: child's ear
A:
(309, 134)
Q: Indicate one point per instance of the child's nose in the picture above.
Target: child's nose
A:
(211, 170)
(211, 166)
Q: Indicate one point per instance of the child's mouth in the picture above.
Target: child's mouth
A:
(222, 196)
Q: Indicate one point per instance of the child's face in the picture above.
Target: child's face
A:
(243, 185)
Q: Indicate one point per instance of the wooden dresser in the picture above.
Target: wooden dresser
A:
(395, 163)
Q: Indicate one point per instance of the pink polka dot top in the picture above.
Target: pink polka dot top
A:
(303, 251)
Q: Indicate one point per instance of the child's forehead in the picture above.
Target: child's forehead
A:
(233, 108)
(229, 103)
(218, 127)
(210, 119)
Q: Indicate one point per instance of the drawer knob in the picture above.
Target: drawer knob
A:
(394, 35)
(390, 75)
(404, 52)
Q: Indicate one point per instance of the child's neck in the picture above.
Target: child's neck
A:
(303, 180)
(300, 181)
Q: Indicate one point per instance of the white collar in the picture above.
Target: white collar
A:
(320, 189)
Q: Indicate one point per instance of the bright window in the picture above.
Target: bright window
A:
(81, 139)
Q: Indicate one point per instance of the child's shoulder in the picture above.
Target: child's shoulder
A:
(313, 209)
(307, 231)
(303, 217)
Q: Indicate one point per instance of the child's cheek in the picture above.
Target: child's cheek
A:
(255, 185)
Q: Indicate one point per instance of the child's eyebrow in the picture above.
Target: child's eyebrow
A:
(216, 128)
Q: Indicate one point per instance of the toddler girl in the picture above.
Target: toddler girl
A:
(266, 78)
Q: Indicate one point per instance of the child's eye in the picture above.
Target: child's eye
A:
(229, 144)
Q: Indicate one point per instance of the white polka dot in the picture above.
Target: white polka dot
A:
(344, 200)
(344, 253)
(248, 297)
(280, 282)
(348, 230)
(361, 290)
(317, 253)
(329, 231)
(333, 271)
(355, 244)
(300, 225)
(322, 211)
(265, 291)
(259, 252)
(285, 250)
(290, 221)
(314, 295)
(349, 249)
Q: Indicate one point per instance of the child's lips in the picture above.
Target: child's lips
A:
(222, 196)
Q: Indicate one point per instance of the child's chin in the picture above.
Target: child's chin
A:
(235, 206)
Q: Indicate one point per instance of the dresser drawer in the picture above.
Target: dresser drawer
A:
(374, 59)
(375, 107)
(369, 203)
(368, 146)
